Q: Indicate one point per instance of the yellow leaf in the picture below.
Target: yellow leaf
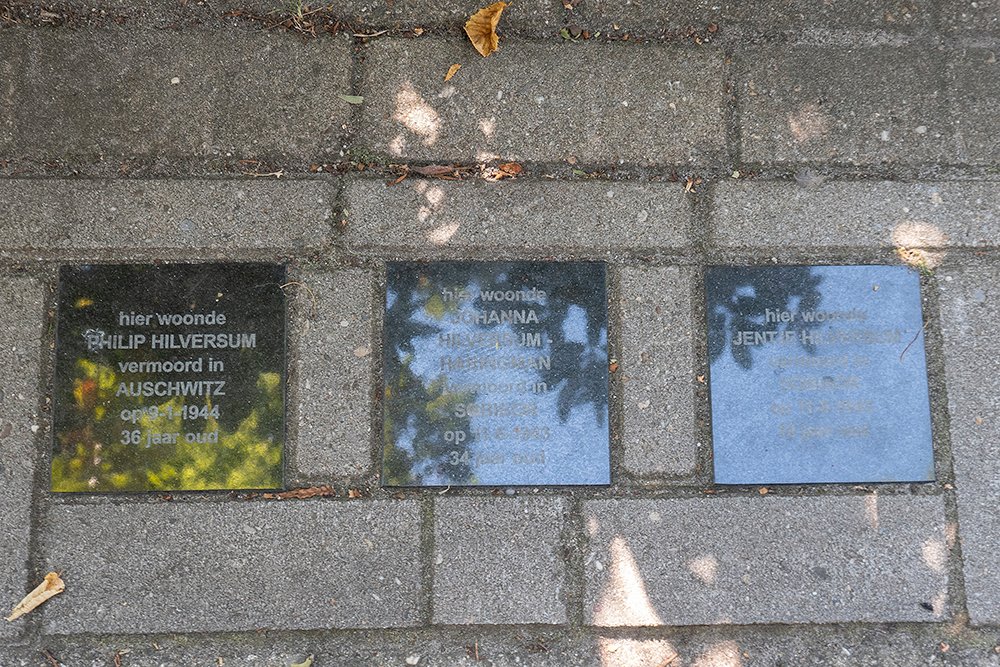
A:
(451, 71)
(52, 585)
(482, 28)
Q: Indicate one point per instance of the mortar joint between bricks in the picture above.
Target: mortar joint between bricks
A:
(41, 495)
(943, 452)
(575, 545)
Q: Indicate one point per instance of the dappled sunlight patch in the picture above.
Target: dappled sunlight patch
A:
(939, 603)
(919, 234)
(723, 654)
(435, 196)
(441, 235)
(488, 126)
(910, 236)
(922, 260)
(624, 600)
(951, 534)
(704, 568)
(935, 554)
(486, 156)
(808, 123)
(416, 115)
(397, 146)
(617, 652)
(871, 510)
(433, 202)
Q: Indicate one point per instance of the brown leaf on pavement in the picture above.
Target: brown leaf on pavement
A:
(447, 172)
(498, 173)
(308, 492)
(452, 70)
(482, 28)
(52, 585)
(511, 169)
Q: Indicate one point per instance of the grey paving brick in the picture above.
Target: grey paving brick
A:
(527, 101)
(766, 560)
(974, 77)
(779, 15)
(644, 18)
(883, 214)
(227, 566)
(657, 368)
(141, 217)
(499, 561)
(970, 309)
(21, 320)
(333, 337)
(863, 105)
(112, 93)
(973, 17)
(633, 16)
(520, 215)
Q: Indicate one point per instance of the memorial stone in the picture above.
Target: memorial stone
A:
(817, 374)
(495, 373)
(169, 377)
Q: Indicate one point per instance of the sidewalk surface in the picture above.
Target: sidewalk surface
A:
(660, 137)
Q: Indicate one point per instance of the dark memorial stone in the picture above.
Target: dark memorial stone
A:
(495, 373)
(817, 375)
(169, 377)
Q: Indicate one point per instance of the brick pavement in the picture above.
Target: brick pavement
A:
(715, 133)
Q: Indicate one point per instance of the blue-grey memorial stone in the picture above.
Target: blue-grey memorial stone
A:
(495, 373)
(817, 374)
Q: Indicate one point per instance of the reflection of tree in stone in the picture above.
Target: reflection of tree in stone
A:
(738, 297)
(571, 285)
(420, 412)
(91, 457)
(89, 454)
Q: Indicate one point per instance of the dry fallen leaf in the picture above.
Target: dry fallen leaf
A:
(353, 493)
(763, 490)
(690, 183)
(52, 585)
(308, 492)
(482, 28)
(451, 71)
(498, 173)
(511, 169)
(448, 173)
